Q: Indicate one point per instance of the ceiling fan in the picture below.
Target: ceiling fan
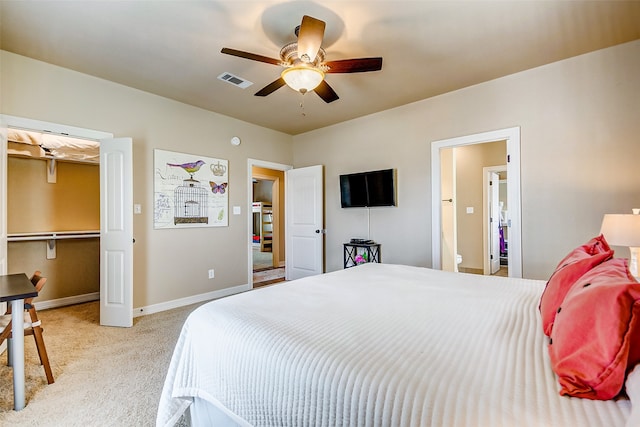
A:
(304, 63)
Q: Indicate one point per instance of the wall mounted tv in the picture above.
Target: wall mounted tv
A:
(368, 189)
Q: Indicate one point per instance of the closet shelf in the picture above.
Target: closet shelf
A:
(53, 235)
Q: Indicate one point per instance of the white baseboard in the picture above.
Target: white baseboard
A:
(181, 302)
(61, 302)
(150, 309)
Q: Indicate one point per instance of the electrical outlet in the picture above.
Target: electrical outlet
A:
(212, 274)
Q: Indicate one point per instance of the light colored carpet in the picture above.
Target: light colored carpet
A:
(103, 376)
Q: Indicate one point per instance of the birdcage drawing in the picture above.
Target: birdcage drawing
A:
(190, 203)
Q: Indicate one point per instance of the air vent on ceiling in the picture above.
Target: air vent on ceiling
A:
(235, 80)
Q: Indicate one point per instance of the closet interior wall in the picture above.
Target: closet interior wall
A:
(71, 204)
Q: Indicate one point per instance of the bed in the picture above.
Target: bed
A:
(377, 345)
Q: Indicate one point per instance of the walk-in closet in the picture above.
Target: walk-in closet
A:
(53, 213)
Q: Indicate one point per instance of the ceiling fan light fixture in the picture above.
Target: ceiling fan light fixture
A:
(302, 78)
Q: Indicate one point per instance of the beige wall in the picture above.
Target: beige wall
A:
(579, 148)
(34, 205)
(74, 271)
(470, 161)
(168, 264)
(579, 129)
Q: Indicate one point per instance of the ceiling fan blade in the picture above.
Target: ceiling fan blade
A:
(310, 38)
(358, 65)
(271, 87)
(326, 92)
(251, 56)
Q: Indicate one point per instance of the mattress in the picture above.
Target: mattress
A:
(375, 345)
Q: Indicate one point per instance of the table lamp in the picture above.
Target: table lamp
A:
(624, 230)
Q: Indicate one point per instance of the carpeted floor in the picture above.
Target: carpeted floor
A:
(103, 376)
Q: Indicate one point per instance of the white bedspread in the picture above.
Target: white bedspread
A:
(377, 345)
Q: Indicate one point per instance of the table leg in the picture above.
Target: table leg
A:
(17, 348)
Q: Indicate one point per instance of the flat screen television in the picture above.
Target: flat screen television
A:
(368, 189)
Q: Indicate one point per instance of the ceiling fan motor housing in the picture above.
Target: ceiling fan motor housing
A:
(289, 56)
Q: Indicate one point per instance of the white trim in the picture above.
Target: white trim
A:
(267, 165)
(512, 136)
(7, 121)
(150, 309)
(47, 127)
(194, 299)
(62, 302)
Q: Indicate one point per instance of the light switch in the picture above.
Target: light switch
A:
(137, 208)
(236, 210)
(469, 209)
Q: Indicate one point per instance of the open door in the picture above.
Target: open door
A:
(116, 232)
(304, 222)
(494, 221)
(3, 200)
(3, 209)
(448, 211)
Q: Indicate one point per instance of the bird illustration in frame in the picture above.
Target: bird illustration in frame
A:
(190, 167)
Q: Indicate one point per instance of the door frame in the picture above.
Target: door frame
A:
(512, 138)
(486, 213)
(267, 165)
(42, 127)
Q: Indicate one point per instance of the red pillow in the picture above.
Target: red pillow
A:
(594, 339)
(571, 268)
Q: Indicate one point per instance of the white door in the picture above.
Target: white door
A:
(116, 232)
(3, 199)
(3, 209)
(304, 222)
(448, 210)
(494, 221)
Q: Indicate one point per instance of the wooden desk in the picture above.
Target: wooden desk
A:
(15, 288)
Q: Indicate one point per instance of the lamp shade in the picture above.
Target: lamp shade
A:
(302, 78)
(621, 229)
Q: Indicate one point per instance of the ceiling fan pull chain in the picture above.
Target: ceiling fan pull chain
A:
(302, 109)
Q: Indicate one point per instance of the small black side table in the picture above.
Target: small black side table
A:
(369, 250)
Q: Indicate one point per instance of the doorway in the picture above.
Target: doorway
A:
(512, 138)
(267, 254)
(470, 237)
(116, 191)
(266, 222)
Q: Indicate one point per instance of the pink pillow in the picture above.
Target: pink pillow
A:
(594, 340)
(571, 268)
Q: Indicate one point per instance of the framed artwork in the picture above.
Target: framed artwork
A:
(189, 191)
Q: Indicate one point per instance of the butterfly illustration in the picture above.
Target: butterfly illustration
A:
(218, 188)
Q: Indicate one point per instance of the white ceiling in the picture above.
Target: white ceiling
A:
(172, 48)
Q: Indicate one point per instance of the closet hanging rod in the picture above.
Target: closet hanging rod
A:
(23, 237)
